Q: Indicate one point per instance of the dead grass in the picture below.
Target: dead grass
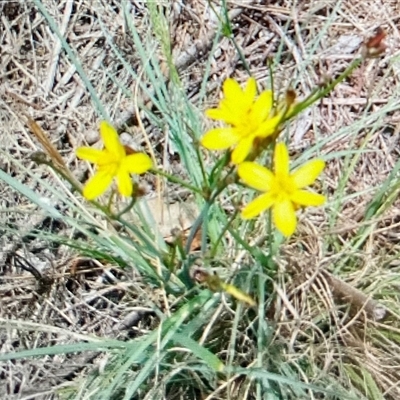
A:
(38, 80)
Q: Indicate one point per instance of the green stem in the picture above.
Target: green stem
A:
(196, 226)
(221, 235)
(322, 92)
(227, 31)
(41, 158)
(179, 181)
(127, 208)
(201, 218)
(218, 168)
(271, 76)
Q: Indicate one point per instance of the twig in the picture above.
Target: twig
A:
(357, 299)
(58, 46)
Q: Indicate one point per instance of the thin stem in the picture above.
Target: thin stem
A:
(181, 182)
(219, 166)
(196, 226)
(127, 208)
(221, 235)
(319, 93)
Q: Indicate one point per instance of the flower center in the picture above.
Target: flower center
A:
(247, 125)
(283, 188)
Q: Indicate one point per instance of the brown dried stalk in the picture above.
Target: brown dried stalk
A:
(358, 300)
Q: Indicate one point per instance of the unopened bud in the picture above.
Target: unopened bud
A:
(324, 80)
(139, 190)
(375, 45)
(290, 97)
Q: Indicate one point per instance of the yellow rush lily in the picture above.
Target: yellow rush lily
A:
(282, 191)
(248, 116)
(112, 162)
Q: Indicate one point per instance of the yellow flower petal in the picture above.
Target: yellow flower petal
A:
(111, 140)
(215, 113)
(124, 182)
(247, 115)
(305, 198)
(242, 150)
(219, 138)
(237, 293)
(268, 127)
(257, 206)
(262, 106)
(231, 89)
(137, 163)
(281, 161)
(249, 93)
(230, 113)
(107, 159)
(256, 176)
(308, 173)
(284, 217)
(89, 154)
(97, 184)
(237, 102)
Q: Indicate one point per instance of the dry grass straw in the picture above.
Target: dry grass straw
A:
(325, 309)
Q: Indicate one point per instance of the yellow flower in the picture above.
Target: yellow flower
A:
(112, 161)
(282, 191)
(248, 116)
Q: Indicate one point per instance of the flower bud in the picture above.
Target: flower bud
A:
(375, 45)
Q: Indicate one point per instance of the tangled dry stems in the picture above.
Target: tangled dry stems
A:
(39, 80)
